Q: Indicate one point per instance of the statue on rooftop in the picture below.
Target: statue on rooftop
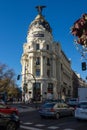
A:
(40, 8)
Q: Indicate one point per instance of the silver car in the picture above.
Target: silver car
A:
(81, 110)
(55, 110)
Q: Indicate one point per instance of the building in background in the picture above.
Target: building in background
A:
(46, 71)
(77, 82)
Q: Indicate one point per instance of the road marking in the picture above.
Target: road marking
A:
(27, 123)
(29, 128)
(53, 127)
(69, 129)
(39, 125)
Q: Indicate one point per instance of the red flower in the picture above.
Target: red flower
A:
(79, 30)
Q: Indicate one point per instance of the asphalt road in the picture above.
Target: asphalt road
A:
(32, 121)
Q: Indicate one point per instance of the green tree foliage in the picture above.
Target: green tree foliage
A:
(8, 82)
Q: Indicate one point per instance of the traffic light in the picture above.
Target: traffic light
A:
(83, 66)
(18, 77)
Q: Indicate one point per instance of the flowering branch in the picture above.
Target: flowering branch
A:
(79, 29)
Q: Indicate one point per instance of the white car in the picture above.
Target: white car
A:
(81, 110)
(72, 102)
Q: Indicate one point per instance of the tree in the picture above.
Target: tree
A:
(6, 76)
(79, 30)
(8, 82)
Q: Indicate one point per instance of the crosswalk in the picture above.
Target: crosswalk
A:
(32, 126)
(29, 128)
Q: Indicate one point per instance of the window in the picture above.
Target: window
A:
(38, 85)
(47, 47)
(38, 61)
(48, 73)
(61, 67)
(50, 87)
(37, 72)
(69, 92)
(64, 90)
(48, 61)
(37, 91)
(37, 47)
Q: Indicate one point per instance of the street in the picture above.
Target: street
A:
(30, 120)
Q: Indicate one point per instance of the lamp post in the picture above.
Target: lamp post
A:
(25, 84)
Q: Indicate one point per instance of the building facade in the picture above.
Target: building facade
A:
(46, 71)
(77, 83)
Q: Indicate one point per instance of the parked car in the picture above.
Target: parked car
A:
(54, 100)
(72, 102)
(81, 110)
(56, 110)
(9, 121)
(1, 101)
(8, 110)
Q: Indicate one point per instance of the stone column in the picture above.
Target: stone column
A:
(54, 67)
(42, 66)
(32, 65)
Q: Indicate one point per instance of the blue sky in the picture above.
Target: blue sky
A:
(16, 16)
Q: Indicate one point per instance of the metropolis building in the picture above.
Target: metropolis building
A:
(46, 71)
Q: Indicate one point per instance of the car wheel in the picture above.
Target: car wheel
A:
(11, 126)
(42, 117)
(78, 119)
(73, 113)
(57, 115)
(14, 113)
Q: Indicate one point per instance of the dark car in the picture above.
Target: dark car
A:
(9, 121)
(55, 110)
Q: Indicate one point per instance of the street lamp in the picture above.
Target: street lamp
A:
(25, 84)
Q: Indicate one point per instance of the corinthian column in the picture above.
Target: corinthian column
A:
(42, 72)
(32, 65)
(54, 68)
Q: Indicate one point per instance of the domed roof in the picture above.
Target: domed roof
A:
(40, 20)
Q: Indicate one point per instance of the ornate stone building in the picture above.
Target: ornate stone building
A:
(46, 71)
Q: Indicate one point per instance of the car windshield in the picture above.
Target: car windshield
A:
(73, 100)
